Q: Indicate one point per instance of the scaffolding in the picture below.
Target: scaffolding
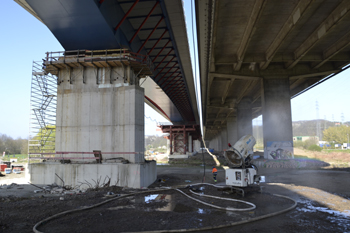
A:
(43, 101)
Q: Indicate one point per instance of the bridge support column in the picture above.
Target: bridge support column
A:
(219, 148)
(197, 145)
(213, 143)
(232, 136)
(277, 118)
(223, 139)
(244, 118)
(190, 143)
(99, 110)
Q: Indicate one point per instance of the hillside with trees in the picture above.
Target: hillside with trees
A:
(309, 128)
(337, 134)
(154, 142)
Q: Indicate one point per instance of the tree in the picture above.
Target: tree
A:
(13, 146)
(338, 134)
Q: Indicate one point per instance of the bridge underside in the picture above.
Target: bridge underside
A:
(99, 98)
(255, 55)
(152, 28)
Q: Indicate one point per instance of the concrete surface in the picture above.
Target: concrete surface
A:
(277, 120)
(106, 117)
(125, 175)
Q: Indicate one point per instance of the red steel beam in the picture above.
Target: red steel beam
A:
(161, 50)
(144, 21)
(164, 67)
(168, 71)
(164, 58)
(157, 106)
(171, 84)
(178, 88)
(126, 15)
(157, 42)
(149, 36)
(101, 1)
(181, 98)
(170, 77)
(175, 86)
(179, 95)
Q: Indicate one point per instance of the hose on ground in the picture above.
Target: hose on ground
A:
(230, 224)
(177, 189)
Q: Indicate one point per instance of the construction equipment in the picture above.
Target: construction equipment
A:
(241, 171)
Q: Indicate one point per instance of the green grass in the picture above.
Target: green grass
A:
(335, 150)
(19, 157)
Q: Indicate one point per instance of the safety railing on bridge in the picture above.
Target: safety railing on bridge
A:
(91, 55)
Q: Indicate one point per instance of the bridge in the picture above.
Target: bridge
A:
(118, 55)
(254, 55)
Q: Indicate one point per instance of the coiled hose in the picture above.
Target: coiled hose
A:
(177, 189)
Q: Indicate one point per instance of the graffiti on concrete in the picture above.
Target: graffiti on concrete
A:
(280, 150)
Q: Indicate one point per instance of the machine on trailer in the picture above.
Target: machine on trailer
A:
(241, 171)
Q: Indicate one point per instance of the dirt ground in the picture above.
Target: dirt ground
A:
(335, 159)
(322, 195)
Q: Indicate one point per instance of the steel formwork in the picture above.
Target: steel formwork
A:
(43, 101)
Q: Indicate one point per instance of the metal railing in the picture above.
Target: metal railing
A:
(91, 55)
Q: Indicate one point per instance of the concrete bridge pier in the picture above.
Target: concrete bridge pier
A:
(98, 109)
(244, 118)
(277, 118)
(224, 142)
(231, 126)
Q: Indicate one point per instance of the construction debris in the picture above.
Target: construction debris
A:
(5, 186)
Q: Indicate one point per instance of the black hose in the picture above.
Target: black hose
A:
(177, 230)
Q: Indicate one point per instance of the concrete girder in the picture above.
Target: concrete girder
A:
(243, 91)
(226, 92)
(249, 30)
(325, 27)
(333, 50)
(212, 67)
(221, 107)
(243, 52)
(288, 26)
(279, 70)
(231, 76)
(284, 57)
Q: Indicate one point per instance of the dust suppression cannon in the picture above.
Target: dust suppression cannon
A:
(241, 171)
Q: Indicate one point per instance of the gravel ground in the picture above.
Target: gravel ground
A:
(323, 197)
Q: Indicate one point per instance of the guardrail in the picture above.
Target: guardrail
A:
(91, 54)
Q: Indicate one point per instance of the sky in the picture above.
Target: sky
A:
(24, 39)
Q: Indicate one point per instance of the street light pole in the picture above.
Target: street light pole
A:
(347, 146)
